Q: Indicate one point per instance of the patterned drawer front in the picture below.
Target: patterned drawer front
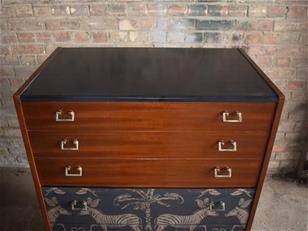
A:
(147, 209)
(141, 116)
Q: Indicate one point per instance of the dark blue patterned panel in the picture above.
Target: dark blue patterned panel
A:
(118, 209)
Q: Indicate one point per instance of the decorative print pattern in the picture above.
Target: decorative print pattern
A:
(119, 209)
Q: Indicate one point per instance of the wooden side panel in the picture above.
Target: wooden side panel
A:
(33, 169)
(143, 116)
(271, 139)
(25, 136)
(147, 173)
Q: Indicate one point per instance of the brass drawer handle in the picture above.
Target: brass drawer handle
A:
(217, 206)
(227, 172)
(70, 118)
(65, 141)
(226, 117)
(75, 204)
(222, 143)
(77, 172)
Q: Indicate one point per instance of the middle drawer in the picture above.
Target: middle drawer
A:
(245, 145)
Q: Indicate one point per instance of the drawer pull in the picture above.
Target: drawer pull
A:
(217, 206)
(223, 173)
(65, 141)
(69, 118)
(77, 206)
(77, 172)
(222, 144)
(235, 117)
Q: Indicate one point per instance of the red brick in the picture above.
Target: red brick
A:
(237, 10)
(79, 10)
(25, 24)
(253, 38)
(96, 23)
(257, 11)
(294, 85)
(197, 10)
(218, 10)
(156, 9)
(6, 71)
(116, 36)
(138, 36)
(24, 71)
(177, 9)
(81, 37)
(258, 25)
(43, 37)
(62, 24)
(290, 26)
(296, 12)
(302, 72)
(116, 9)
(98, 10)
(41, 58)
(41, 10)
(279, 147)
(289, 38)
(300, 61)
(61, 36)
(8, 60)
(100, 37)
(23, 10)
(9, 38)
(283, 61)
(61, 10)
(4, 50)
(27, 49)
(27, 60)
(6, 12)
(270, 38)
(276, 11)
(25, 37)
(175, 37)
(263, 61)
(136, 9)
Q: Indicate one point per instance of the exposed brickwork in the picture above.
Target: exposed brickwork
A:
(274, 32)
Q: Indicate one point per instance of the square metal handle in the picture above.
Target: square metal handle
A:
(227, 172)
(77, 172)
(69, 118)
(222, 143)
(226, 117)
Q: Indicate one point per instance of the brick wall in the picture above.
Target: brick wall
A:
(274, 32)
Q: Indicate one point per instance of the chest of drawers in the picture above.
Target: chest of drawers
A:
(148, 139)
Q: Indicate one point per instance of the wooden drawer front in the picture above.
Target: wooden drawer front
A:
(71, 208)
(147, 115)
(143, 173)
(150, 144)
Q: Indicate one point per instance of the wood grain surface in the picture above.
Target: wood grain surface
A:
(127, 144)
(148, 173)
(141, 116)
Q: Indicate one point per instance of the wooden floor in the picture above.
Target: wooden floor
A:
(283, 205)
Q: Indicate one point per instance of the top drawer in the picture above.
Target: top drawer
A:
(142, 116)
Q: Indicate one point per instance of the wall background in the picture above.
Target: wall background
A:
(273, 32)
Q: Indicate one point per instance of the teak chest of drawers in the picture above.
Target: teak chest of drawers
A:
(148, 139)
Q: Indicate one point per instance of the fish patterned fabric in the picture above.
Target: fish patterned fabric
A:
(136, 209)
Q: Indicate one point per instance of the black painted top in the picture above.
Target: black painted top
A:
(148, 74)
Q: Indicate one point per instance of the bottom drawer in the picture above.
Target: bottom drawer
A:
(119, 209)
